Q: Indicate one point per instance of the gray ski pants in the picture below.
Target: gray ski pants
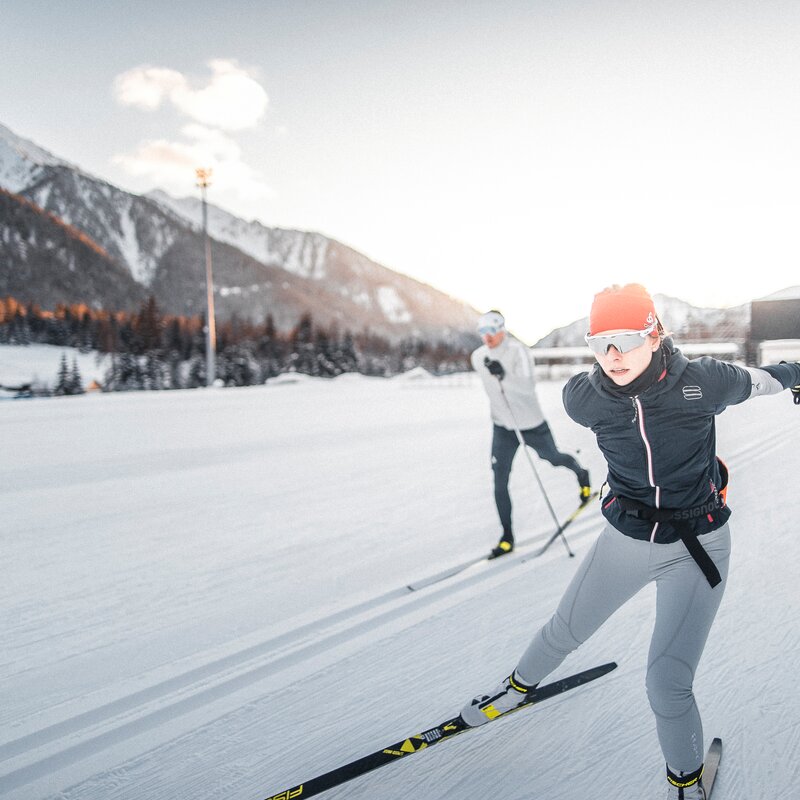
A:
(614, 570)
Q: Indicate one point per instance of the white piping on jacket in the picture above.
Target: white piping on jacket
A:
(648, 450)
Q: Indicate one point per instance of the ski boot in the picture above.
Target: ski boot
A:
(585, 491)
(511, 693)
(505, 545)
(686, 786)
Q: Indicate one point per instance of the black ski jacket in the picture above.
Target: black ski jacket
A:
(661, 445)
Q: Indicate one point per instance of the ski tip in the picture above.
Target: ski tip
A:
(597, 672)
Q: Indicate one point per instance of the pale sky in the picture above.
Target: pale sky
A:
(517, 155)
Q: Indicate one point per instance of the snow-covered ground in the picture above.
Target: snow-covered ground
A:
(203, 596)
(38, 364)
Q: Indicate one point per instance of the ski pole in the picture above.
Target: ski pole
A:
(560, 531)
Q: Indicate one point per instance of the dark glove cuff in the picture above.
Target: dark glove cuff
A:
(788, 373)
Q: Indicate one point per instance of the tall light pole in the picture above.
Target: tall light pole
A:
(204, 181)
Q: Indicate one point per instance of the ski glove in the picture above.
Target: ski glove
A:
(496, 368)
(795, 390)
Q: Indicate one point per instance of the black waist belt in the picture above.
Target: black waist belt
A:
(679, 519)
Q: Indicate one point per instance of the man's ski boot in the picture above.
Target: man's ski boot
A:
(687, 786)
(505, 545)
(511, 693)
(586, 486)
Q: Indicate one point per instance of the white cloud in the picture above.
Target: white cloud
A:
(171, 166)
(147, 87)
(232, 99)
(217, 144)
(159, 156)
(206, 148)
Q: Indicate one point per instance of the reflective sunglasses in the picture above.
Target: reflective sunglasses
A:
(624, 341)
(490, 330)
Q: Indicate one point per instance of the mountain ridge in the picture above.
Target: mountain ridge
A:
(258, 271)
(681, 318)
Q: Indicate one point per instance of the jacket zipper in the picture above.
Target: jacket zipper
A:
(638, 417)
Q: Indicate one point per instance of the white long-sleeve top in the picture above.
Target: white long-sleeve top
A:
(519, 384)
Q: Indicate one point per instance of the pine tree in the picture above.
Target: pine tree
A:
(154, 370)
(303, 358)
(348, 358)
(20, 332)
(63, 380)
(197, 372)
(86, 339)
(149, 326)
(125, 374)
(75, 381)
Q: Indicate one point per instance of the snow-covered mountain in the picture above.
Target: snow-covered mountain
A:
(21, 161)
(677, 316)
(45, 260)
(157, 240)
(128, 227)
(398, 298)
(302, 253)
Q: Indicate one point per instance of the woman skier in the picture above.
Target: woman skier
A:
(652, 411)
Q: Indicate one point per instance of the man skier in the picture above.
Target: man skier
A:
(514, 409)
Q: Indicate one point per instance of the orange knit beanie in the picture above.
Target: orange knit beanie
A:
(627, 307)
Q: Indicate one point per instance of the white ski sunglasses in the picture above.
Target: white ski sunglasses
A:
(625, 341)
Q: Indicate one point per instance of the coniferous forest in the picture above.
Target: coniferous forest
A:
(150, 350)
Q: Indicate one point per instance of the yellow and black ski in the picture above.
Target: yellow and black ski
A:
(426, 739)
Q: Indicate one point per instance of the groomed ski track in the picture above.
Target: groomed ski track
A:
(296, 696)
(269, 663)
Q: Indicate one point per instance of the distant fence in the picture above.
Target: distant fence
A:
(561, 362)
(779, 350)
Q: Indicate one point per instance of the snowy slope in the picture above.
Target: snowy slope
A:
(21, 159)
(38, 364)
(203, 597)
(299, 252)
(373, 288)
